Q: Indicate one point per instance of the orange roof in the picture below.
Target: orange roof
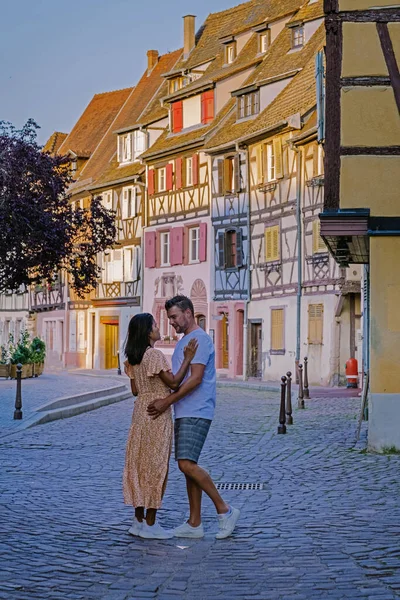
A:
(94, 121)
(102, 165)
(54, 142)
(309, 12)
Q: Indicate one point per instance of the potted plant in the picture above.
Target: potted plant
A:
(4, 362)
(21, 353)
(38, 354)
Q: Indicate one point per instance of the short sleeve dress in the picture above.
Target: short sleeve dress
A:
(149, 444)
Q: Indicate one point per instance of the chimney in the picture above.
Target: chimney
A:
(189, 38)
(152, 59)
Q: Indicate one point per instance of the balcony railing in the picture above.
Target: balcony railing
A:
(45, 297)
(119, 289)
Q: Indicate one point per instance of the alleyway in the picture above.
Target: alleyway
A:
(326, 525)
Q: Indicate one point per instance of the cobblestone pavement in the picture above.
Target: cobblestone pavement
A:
(326, 526)
(43, 389)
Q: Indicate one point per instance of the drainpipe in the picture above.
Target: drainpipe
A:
(299, 163)
(248, 265)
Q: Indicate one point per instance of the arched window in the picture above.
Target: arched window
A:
(201, 321)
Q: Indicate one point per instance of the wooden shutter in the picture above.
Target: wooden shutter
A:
(220, 165)
(176, 248)
(272, 250)
(275, 243)
(221, 249)
(128, 261)
(169, 177)
(315, 323)
(260, 163)
(118, 265)
(195, 169)
(177, 116)
(125, 198)
(239, 248)
(203, 242)
(236, 170)
(277, 329)
(178, 173)
(207, 107)
(277, 142)
(151, 181)
(228, 175)
(150, 249)
(318, 242)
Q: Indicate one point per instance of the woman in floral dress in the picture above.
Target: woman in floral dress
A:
(149, 442)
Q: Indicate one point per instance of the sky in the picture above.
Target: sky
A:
(55, 54)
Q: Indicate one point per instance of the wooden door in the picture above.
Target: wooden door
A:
(112, 337)
(255, 350)
(225, 341)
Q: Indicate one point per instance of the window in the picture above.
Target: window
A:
(125, 148)
(318, 242)
(164, 248)
(194, 240)
(230, 52)
(129, 198)
(248, 104)
(177, 84)
(272, 246)
(201, 321)
(229, 179)
(264, 40)
(315, 323)
(106, 199)
(162, 182)
(231, 249)
(277, 331)
(108, 270)
(298, 36)
(189, 172)
(270, 166)
(139, 143)
(81, 332)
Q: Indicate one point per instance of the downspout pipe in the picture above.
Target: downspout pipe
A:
(248, 265)
(299, 164)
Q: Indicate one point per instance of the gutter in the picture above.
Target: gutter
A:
(248, 299)
(299, 161)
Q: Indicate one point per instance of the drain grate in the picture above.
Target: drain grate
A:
(239, 486)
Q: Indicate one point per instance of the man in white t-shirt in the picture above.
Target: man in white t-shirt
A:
(194, 405)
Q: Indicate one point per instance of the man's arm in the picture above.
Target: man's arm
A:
(157, 407)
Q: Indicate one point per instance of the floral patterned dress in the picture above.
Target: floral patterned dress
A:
(149, 444)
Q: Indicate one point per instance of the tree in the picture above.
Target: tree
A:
(40, 232)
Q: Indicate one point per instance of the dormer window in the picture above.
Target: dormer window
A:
(131, 146)
(139, 143)
(230, 53)
(177, 84)
(248, 104)
(264, 40)
(298, 36)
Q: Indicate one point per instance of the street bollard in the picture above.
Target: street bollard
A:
(306, 389)
(289, 409)
(282, 416)
(18, 398)
(301, 392)
(119, 364)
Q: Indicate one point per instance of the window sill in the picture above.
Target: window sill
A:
(194, 262)
(277, 352)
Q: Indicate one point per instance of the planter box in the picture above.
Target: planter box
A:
(38, 369)
(27, 371)
(5, 371)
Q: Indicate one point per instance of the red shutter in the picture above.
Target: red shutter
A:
(177, 116)
(203, 242)
(207, 107)
(150, 249)
(150, 182)
(178, 173)
(169, 171)
(195, 167)
(176, 248)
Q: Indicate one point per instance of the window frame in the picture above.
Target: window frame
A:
(270, 164)
(162, 176)
(230, 53)
(189, 170)
(196, 259)
(298, 33)
(126, 149)
(267, 36)
(230, 264)
(165, 244)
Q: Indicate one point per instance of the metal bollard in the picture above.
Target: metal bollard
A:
(18, 398)
(282, 416)
(306, 390)
(301, 391)
(289, 409)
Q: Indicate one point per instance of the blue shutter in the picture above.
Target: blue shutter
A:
(320, 85)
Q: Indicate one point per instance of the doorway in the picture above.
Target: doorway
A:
(111, 345)
(256, 350)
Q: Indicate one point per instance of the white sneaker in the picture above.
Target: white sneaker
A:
(187, 531)
(155, 532)
(135, 527)
(227, 524)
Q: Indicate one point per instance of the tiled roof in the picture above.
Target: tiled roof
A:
(93, 123)
(309, 12)
(54, 142)
(101, 163)
(299, 95)
(267, 11)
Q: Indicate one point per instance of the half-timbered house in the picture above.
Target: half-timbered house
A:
(361, 223)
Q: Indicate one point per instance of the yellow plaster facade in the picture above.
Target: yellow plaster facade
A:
(369, 117)
(362, 53)
(371, 182)
(364, 4)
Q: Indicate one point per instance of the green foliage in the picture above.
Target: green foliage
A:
(22, 351)
(38, 350)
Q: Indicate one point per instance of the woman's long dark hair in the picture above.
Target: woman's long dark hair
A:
(137, 340)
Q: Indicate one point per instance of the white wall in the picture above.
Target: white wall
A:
(192, 111)
(268, 93)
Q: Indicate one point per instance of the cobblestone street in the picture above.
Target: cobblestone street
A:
(326, 525)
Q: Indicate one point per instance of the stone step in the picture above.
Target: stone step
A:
(66, 401)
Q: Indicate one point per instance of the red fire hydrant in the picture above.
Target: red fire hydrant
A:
(352, 373)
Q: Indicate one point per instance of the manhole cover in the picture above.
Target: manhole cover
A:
(239, 486)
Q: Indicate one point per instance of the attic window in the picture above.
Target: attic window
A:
(125, 148)
(264, 40)
(230, 53)
(177, 84)
(248, 105)
(298, 36)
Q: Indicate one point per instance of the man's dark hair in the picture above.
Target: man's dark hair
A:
(182, 302)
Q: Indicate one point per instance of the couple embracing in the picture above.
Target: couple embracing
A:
(193, 396)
